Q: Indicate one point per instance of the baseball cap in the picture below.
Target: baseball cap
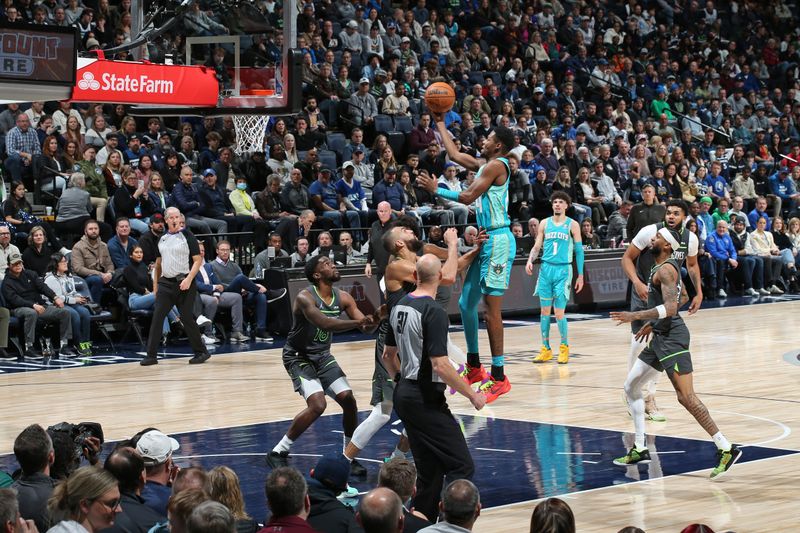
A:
(391, 24)
(352, 24)
(333, 472)
(380, 72)
(538, 90)
(326, 170)
(134, 137)
(706, 200)
(358, 150)
(155, 447)
(391, 170)
(156, 218)
(449, 164)
(14, 258)
(363, 80)
(405, 40)
(209, 171)
(348, 164)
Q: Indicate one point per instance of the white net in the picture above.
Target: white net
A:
(250, 131)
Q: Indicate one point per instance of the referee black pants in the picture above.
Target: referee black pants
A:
(437, 442)
(169, 295)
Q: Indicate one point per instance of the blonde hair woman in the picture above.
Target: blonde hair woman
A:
(85, 502)
(222, 484)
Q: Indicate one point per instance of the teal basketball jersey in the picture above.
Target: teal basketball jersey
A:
(558, 242)
(492, 207)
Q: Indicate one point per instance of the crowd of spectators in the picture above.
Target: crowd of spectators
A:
(137, 486)
(623, 105)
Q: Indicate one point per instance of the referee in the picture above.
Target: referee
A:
(177, 262)
(419, 330)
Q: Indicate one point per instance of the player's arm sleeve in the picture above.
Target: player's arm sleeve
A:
(694, 245)
(435, 326)
(579, 257)
(645, 235)
(390, 339)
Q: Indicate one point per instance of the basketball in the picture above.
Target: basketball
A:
(440, 97)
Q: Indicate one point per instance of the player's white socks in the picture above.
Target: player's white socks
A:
(636, 349)
(284, 445)
(377, 418)
(721, 442)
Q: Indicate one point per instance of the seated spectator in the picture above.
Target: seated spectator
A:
(762, 244)
(213, 296)
(156, 449)
(299, 256)
(132, 202)
(722, 212)
(295, 197)
(19, 215)
(352, 194)
(288, 501)
(760, 211)
(353, 256)
(290, 229)
(750, 271)
(362, 172)
(181, 505)
(74, 208)
(62, 283)
(328, 480)
(160, 198)
(91, 260)
(27, 297)
(37, 254)
(6, 249)
(222, 485)
(400, 475)
(587, 194)
(278, 163)
(50, 168)
(381, 511)
(22, 146)
(186, 198)
(723, 254)
(449, 180)
(552, 516)
(213, 517)
(246, 213)
(618, 221)
(113, 170)
(589, 238)
(121, 244)
(127, 466)
(139, 282)
(324, 240)
(233, 280)
(328, 203)
(268, 202)
(149, 240)
(783, 186)
(217, 206)
(262, 261)
(460, 507)
(88, 500)
(33, 450)
(389, 190)
(704, 221)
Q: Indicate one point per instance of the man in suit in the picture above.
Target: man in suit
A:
(290, 229)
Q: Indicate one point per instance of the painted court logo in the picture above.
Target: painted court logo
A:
(88, 83)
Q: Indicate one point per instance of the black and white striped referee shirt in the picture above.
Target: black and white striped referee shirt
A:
(419, 330)
(176, 251)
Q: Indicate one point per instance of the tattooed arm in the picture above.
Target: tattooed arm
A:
(667, 278)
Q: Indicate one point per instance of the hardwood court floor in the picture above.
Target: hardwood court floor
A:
(740, 374)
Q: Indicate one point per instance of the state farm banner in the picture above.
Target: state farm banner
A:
(100, 80)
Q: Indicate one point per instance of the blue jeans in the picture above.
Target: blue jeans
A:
(81, 322)
(95, 284)
(140, 224)
(17, 167)
(138, 302)
(353, 219)
(253, 298)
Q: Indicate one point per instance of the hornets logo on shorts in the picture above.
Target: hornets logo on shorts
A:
(497, 268)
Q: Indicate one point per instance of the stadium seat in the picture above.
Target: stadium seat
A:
(328, 159)
(397, 140)
(403, 124)
(336, 141)
(383, 123)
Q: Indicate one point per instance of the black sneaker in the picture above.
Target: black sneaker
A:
(33, 354)
(199, 358)
(67, 352)
(357, 469)
(263, 336)
(275, 295)
(147, 361)
(277, 459)
(5, 356)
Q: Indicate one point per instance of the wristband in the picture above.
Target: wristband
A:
(662, 311)
(447, 193)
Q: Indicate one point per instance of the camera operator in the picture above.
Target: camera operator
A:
(71, 443)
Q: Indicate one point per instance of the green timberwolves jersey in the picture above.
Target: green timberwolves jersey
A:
(491, 209)
(305, 337)
(558, 242)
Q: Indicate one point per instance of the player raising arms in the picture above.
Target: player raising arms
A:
(559, 235)
(307, 353)
(490, 274)
(668, 351)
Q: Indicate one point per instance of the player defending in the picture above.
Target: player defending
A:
(307, 353)
(559, 235)
(667, 351)
(490, 274)
(637, 267)
(402, 243)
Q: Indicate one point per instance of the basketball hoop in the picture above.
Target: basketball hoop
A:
(250, 131)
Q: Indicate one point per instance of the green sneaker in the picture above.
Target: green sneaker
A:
(726, 461)
(348, 492)
(633, 457)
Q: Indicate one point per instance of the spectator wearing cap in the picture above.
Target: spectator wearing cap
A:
(162, 147)
(758, 120)
(391, 39)
(350, 37)
(705, 222)
(27, 297)
(692, 121)
(328, 203)
(660, 105)
(188, 200)
(134, 151)
(371, 42)
(352, 193)
(288, 501)
(149, 240)
(408, 57)
(389, 190)
(363, 106)
(327, 480)
(127, 465)
(217, 205)
(156, 450)
(111, 143)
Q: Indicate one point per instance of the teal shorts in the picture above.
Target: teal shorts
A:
(554, 284)
(496, 259)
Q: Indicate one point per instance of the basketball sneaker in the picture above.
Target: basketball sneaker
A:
(494, 389)
(726, 461)
(357, 469)
(348, 492)
(563, 354)
(474, 375)
(545, 354)
(277, 459)
(651, 411)
(633, 457)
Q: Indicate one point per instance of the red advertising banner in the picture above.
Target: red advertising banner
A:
(101, 80)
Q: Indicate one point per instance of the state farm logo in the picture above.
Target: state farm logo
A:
(88, 83)
(140, 84)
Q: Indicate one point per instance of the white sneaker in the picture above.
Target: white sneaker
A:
(208, 339)
(775, 290)
(238, 336)
(722, 294)
(349, 492)
(751, 292)
(203, 320)
(763, 292)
